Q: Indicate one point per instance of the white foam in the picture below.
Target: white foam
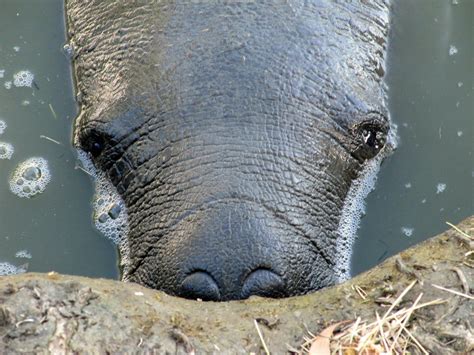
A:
(453, 50)
(23, 254)
(6, 150)
(30, 177)
(440, 188)
(407, 231)
(354, 208)
(2, 73)
(10, 269)
(16, 48)
(8, 85)
(3, 126)
(110, 214)
(23, 78)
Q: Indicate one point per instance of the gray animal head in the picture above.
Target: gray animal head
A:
(233, 132)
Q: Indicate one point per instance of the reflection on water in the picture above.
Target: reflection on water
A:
(426, 182)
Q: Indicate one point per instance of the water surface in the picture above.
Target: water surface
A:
(53, 228)
(429, 179)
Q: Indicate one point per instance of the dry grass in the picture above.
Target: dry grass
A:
(388, 334)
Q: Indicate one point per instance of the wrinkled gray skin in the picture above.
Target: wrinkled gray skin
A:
(233, 130)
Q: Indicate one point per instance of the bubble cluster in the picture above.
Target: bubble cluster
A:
(2, 73)
(440, 188)
(30, 177)
(354, 207)
(10, 269)
(453, 50)
(3, 126)
(407, 231)
(8, 85)
(6, 150)
(23, 78)
(110, 214)
(23, 254)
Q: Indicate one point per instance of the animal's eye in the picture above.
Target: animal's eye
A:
(370, 138)
(373, 139)
(93, 141)
(96, 148)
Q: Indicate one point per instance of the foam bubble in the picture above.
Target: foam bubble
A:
(2, 73)
(30, 177)
(407, 231)
(3, 126)
(23, 78)
(16, 48)
(6, 150)
(23, 254)
(354, 207)
(110, 215)
(453, 50)
(8, 85)
(10, 269)
(440, 188)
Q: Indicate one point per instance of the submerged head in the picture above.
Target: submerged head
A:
(234, 148)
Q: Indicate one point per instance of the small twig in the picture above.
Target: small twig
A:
(453, 291)
(382, 333)
(460, 231)
(50, 139)
(360, 291)
(84, 170)
(398, 300)
(27, 320)
(403, 325)
(464, 237)
(261, 337)
(462, 278)
(423, 350)
(52, 110)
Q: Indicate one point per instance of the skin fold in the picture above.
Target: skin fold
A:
(233, 130)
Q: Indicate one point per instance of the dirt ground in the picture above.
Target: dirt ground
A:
(41, 313)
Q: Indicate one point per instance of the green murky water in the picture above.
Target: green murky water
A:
(429, 179)
(54, 227)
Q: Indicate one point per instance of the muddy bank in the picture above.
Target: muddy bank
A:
(61, 313)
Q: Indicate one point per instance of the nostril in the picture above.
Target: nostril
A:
(265, 283)
(200, 285)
